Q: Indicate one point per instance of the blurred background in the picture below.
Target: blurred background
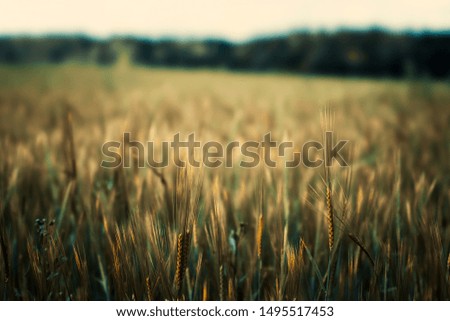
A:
(354, 38)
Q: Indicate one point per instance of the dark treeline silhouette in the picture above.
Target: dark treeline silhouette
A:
(353, 53)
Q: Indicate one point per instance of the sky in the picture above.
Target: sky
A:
(230, 19)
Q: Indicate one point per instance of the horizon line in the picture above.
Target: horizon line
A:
(205, 37)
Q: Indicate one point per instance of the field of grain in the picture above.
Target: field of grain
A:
(72, 230)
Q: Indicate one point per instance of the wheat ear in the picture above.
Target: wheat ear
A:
(259, 236)
(330, 219)
(358, 242)
(182, 254)
(221, 283)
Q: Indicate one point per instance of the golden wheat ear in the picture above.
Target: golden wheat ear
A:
(221, 283)
(148, 288)
(330, 219)
(327, 124)
(259, 235)
(182, 255)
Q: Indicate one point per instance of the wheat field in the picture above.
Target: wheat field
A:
(378, 229)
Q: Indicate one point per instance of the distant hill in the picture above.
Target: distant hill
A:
(376, 53)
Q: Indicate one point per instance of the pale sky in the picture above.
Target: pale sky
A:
(231, 19)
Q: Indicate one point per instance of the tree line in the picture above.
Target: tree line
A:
(376, 52)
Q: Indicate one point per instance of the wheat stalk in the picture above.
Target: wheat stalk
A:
(259, 235)
(230, 289)
(327, 123)
(330, 219)
(221, 283)
(205, 291)
(149, 288)
(182, 254)
(358, 242)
